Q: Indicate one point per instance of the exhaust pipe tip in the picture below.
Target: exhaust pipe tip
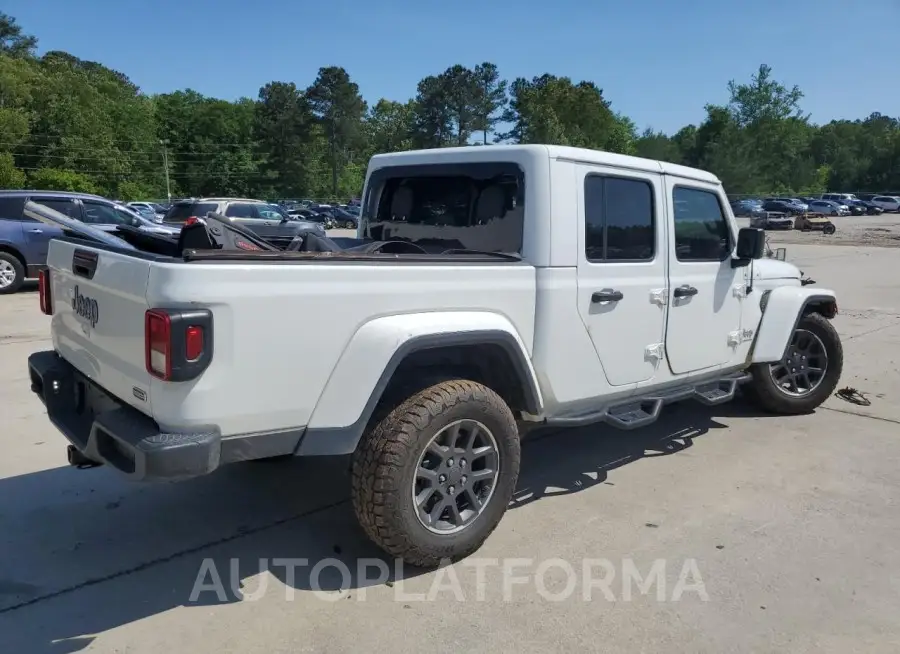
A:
(79, 460)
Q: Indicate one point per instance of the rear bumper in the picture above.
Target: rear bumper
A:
(107, 430)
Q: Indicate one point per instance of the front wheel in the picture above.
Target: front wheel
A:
(433, 479)
(807, 374)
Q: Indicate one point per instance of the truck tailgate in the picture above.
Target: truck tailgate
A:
(99, 302)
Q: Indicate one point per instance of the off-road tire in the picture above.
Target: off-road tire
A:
(766, 394)
(19, 270)
(385, 462)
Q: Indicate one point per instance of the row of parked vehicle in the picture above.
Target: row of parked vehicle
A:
(829, 204)
(24, 241)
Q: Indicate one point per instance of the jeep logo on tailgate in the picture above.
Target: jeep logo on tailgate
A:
(86, 307)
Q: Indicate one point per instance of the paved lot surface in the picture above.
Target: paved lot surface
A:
(793, 525)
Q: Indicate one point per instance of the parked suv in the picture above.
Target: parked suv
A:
(24, 241)
(268, 221)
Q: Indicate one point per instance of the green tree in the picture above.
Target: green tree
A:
(56, 179)
(12, 41)
(282, 128)
(490, 98)
(337, 104)
(10, 176)
(550, 109)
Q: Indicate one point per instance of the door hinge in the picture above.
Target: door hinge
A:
(655, 351)
(659, 296)
(740, 290)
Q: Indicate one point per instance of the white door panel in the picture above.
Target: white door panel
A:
(621, 270)
(705, 309)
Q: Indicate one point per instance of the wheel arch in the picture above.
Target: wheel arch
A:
(487, 350)
(783, 308)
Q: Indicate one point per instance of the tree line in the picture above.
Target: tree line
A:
(70, 124)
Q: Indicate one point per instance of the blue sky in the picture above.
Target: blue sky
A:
(657, 61)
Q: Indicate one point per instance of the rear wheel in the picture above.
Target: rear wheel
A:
(433, 479)
(12, 273)
(807, 374)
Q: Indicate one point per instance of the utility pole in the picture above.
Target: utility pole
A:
(164, 143)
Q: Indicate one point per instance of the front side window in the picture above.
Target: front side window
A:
(102, 214)
(441, 207)
(68, 208)
(701, 230)
(618, 219)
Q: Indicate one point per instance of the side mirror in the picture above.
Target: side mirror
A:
(751, 245)
(781, 254)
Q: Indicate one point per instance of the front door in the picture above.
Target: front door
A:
(621, 270)
(704, 290)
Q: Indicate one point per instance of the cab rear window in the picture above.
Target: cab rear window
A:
(440, 207)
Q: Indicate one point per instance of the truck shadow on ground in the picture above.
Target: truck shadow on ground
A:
(148, 558)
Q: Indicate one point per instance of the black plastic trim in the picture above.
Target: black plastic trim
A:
(84, 263)
(179, 321)
(105, 429)
(324, 441)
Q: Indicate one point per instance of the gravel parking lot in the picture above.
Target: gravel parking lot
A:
(867, 231)
(792, 525)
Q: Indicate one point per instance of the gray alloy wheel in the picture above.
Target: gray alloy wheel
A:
(803, 367)
(456, 476)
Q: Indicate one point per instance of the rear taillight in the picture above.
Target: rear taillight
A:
(177, 344)
(46, 299)
(191, 221)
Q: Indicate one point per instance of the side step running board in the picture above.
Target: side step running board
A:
(643, 410)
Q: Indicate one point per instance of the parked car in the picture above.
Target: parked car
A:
(148, 209)
(840, 198)
(829, 208)
(861, 208)
(782, 206)
(345, 219)
(268, 221)
(772, 220)
(886, 202)
(24, 241)
(423, 369)
(746, 208)
(803, 206)
(326, 220)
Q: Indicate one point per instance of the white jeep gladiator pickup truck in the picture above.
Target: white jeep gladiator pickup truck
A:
(524, 285)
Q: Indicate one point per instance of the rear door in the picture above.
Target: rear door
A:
(37, 234)
(704, 290)
(622, 270)
(258, 218)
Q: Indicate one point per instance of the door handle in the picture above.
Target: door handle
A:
(685, 291)
(607, 296)
(36, 231)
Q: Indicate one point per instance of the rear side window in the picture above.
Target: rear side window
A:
(11, 208)
(241, 210)
(183, 210)
(618, 219)
(440, 207)
(701, 231)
